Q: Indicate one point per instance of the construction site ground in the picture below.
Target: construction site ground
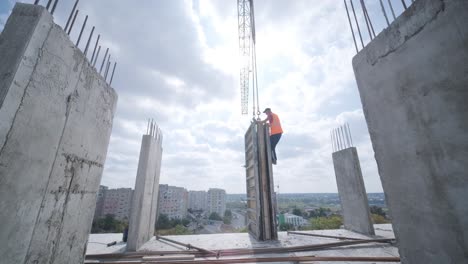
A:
(97, 244)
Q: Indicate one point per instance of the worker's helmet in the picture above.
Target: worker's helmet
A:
(266, 109)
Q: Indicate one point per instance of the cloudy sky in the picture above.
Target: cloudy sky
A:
(178, 62)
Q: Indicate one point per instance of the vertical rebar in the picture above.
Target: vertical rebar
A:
(351, 26)
(95, 47)
(48, 4)
(89, 40)
(347, 135)
(107, 67)
(97, 55)
(404, 4)
(350, 136)
(105, 71)
(391, 9)
(73, 22)
(357, 24)
(384, 12)
(112, 76)
(71, 15)
(368, 17)
(103, 60)
(342, 136)
(339, 139)
(36, 2)
(54, 6)
(365, 18)
(81, 32)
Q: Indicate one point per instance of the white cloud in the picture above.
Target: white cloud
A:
(178, 63)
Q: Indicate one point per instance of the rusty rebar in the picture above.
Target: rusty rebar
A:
(357, 23)
(188, 246)
(112, 76)
(95, 47)
(103, 60)
(97, 55)
(73, 22)
(89, 41)
(81, 31)
(48, 4)
(351, 26)
(53, 7)
(71, 15)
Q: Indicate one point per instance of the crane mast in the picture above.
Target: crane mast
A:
(247, 52)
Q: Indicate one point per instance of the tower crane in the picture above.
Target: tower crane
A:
(248, 68)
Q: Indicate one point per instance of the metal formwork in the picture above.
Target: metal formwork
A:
(261, 215)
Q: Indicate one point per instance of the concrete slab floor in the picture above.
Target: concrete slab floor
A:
(243, 240)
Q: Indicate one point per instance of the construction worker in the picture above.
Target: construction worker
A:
(275, 131)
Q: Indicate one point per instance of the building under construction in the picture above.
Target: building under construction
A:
(413, 83)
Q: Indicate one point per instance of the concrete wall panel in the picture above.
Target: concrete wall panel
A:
(413, 82)
(145, 197)
(53, 145)
(352, 191)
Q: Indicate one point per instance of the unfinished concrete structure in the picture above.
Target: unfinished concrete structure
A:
(353, 196)
(145, 197)
(413, 82)
(261, 214)
(56, 116)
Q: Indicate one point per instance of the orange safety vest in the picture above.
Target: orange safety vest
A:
(275, 125)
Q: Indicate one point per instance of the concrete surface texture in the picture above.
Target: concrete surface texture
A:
(145, 197)
(97, 243)
(353, 196)
(56, 116)
(413, 82)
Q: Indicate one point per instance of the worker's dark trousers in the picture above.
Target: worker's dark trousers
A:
(274, 139)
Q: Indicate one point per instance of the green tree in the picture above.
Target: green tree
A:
(333, 222)
(163, 222)
(108, 224)
(227, 217)
(286, 227)
(215, 216)
(297, 211)
(378, 211)
(378, 219)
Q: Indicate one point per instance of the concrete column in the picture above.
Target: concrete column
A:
(56, 117)
(352, 191)
(145, 198)
(413, 82)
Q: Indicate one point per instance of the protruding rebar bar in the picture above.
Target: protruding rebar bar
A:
(107, 70)
(53, 7)
(112, 76)
(81, 32)
(357, 23)
(384, 12)
(95, 47)
(368, 17)
(343, 137)
(350, 136)
(351, 26)
(103, 60)
(365, 18)
(48, 4)
(404, 4)
(147, 127)
(36, 2)
(331, 140)
(70, 16)
(107, 67)
(97, 55)
(89, 40)
(391, 9)
(73, 22)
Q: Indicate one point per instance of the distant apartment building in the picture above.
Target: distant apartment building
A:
(100, 201)
(173, 201)
(197, 200)
(293, 220)
(117, 202)
(216, 199)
